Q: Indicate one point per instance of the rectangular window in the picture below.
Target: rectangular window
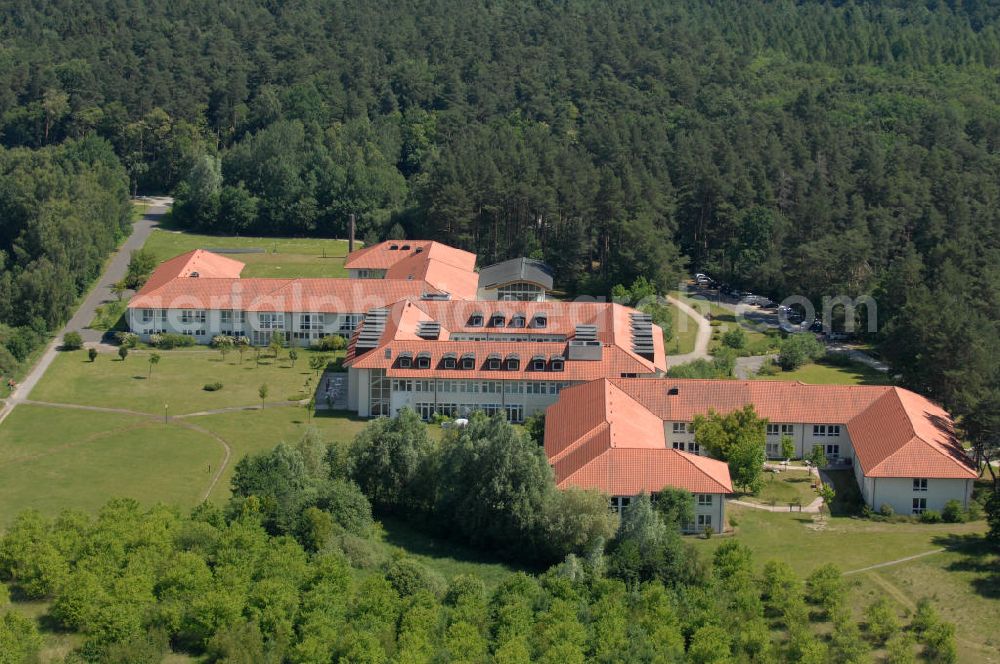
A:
(819, 429)
(773, 430)
(704, 521)
(704, 500)
(833, 429)
(226, 317)
(147, 315)
(773, 449)
(515, 412)
(694, 447)
(618, 503)
(187, 316)
(919, 505)
(200, 316)
(833, 450)
(680, 427)
(920, 484)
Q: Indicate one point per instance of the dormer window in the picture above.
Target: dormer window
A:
(513, 362)
(557, 363)
(405, 360)
(493, 362)
(424, 360)
(393, 247)
(449, 361)
(469, 361)
(517, 320)
(540, 320)
(405, 247)
(538, 363)
(476, 319)
(497, 320)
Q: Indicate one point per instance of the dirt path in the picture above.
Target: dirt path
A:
(893, 562)
(704, 335)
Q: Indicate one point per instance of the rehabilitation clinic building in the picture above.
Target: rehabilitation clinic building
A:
(617, 435)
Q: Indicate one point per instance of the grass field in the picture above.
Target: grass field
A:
(280, 257)
(784, 488)
(53, 460)
(685, 331)
(963, 580)
(823, 373)
(176, 381)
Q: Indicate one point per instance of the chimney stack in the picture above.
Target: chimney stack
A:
(350, 234)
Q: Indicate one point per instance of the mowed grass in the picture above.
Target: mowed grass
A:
(54, 459)
(685, 332)
(823, 373)
(965, 587)
(279, 257)
(784, 488)
(176, 381)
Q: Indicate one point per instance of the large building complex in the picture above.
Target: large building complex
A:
(901, 447)
(453, 357)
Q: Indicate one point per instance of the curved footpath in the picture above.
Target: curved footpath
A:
(701, 341)
(98, 295)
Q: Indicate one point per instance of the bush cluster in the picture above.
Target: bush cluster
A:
(169, 340)
(331, 342)
(212, 387)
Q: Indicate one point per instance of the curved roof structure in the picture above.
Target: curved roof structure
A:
(516, 269)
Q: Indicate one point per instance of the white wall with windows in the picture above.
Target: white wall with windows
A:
(300, 329)
(913, 495)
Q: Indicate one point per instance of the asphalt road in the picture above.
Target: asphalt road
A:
(98, 295)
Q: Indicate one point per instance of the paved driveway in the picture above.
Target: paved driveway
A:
(101, 293)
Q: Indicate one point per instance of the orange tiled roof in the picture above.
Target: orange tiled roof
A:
(905, 435)
(597, 436)
(894, 432)
(204, 263)
(442, 267)
(611, 320)
(289, 295)
(382, 256)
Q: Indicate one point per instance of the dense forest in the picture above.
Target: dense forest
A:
(294, 570)
(63, 209)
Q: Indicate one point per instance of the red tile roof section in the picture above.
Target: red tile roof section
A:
(381, 257)
(205, 263)
(597, 436)
(400, 335)
(905, 435)
(288, 295)
(894, 432)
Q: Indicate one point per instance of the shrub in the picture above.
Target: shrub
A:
(930, 516)
(362, 553)
(799, 349)
(886, 510)
(92, 354)
(769, 368)
(127, 339)
(212, 387)
(168, 341)
(735, 338)
(715, 323)
(72, 341)
(330, 342)
(953, 512)
(408, 577)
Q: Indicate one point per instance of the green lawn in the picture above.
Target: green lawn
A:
(53, 459)
(823, 373)
(963, 581)
(685, 331)
(281, 257)
(784, 488)
(176, 381)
